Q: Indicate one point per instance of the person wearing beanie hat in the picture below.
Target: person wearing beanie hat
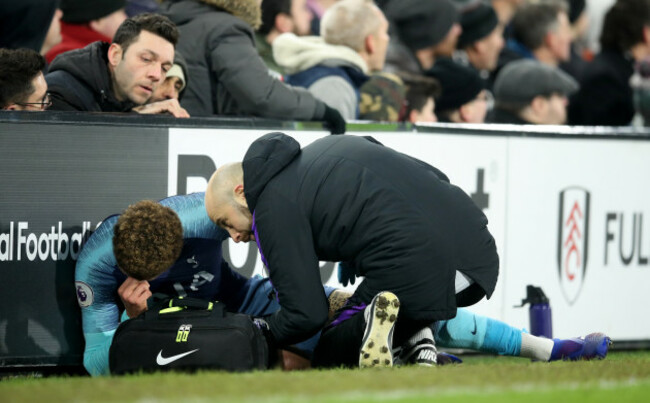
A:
(31, 24)
(464, 97)
(85, 22)
(481, 41)
(175, 82)
(425, 30)
(530, 92)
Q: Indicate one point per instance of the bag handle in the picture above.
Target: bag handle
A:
(160, 304)
(180, 303)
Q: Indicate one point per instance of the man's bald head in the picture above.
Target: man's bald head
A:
(221, 187)
(226, 204)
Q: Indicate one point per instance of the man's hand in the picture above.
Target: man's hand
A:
(134, 294)
(170, 106)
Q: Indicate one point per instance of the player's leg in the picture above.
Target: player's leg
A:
(360, 334)
(476, 332)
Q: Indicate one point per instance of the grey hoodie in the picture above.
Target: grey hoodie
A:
(227, 75)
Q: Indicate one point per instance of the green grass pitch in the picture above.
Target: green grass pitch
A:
(622, 377)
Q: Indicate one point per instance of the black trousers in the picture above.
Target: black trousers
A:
(339, 345)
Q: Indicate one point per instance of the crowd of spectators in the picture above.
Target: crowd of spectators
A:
(460, 61)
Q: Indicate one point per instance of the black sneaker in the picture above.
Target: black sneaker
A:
(377, 340)
(420, 349)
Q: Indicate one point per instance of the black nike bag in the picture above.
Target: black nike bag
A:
(187, 334)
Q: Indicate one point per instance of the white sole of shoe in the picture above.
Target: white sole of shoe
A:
(377, 340)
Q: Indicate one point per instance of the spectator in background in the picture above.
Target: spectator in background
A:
(540, 31)
(605, 97)
(382, 98)
(529, 92)
(31, 24)
(426, 30)
(464, 98)
(228, 75)
(334, 66)
(135, 7)
(120, 76)
(279, 17)
(175, 82)
(576, 64)
(420, 99)
(481, 41)
(85, 22)
(317, 9)
(505, 9)
(22, 85)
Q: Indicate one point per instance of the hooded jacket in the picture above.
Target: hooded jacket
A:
(79, 80)
(397, 220)
(227, 75)
(333, 73)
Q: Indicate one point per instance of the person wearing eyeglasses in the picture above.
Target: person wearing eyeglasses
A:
(22, 85)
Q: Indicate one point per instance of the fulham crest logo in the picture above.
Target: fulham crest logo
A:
(573, 240)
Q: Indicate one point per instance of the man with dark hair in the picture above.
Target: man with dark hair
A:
(22, 85)
(279, 17)
(120, 76)
(605, 97)
(540, 31)
(228, 75)
(530, 92)
(421, 92)
(168, 247)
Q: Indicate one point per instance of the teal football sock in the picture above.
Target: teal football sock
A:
(470, 331)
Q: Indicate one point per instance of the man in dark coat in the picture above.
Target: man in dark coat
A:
(394, 219)
(228, 77)
(121, 76)
(605, 97)
(31, 24)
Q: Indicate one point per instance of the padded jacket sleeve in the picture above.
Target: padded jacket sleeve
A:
(239, 68)
(285, 240)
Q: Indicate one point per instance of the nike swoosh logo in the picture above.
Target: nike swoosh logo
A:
(160, 360)
(474, 331)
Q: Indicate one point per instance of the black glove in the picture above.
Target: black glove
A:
(334, 122)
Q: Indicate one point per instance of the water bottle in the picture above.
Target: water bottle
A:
(541, 323)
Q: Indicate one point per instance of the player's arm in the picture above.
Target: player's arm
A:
(285, 240)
